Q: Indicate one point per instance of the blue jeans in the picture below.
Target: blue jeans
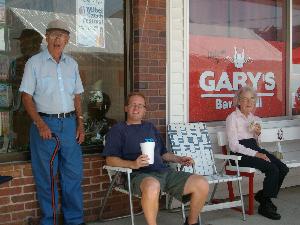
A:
(69, 163)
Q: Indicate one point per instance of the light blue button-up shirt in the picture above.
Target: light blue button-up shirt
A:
(52, 85)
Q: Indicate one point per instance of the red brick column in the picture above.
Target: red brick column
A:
(149, 25)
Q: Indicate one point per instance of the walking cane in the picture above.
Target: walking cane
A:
(52, 177)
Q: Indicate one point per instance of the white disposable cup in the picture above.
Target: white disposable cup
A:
(148, 149)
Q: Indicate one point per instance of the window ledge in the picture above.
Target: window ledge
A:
(25, 155)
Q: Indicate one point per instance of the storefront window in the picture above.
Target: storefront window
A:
(295, 75)
(96, 43)
(233, 43)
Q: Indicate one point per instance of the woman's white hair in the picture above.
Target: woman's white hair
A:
(240, 92)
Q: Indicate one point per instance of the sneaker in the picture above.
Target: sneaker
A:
(267, 211)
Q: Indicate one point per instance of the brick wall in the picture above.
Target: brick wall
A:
(18, 201)
(149, 25)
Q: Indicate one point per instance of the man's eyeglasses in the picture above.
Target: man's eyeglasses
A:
(139, 106)
(57, 34)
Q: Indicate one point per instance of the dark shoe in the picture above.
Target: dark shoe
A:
(274, 207)
(267, 211)
(262, 200)
(186, 222)
(82, 224)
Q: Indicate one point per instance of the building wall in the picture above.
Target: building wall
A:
(149, 22)
(177, 89)
(18, 201)
(176, 70)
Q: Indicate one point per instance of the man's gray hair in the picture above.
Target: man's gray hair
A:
(241, 91)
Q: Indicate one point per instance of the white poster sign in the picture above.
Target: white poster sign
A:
(90, 23)
(2, 11)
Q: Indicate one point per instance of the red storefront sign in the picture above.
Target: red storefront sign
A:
(219, 66)
(296, 55)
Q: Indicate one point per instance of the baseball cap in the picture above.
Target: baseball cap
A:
(58, 25)
(28, 33)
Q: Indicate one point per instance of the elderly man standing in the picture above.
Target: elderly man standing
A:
(122, 149)
(51, 92)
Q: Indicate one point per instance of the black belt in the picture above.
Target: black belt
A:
(59, 115)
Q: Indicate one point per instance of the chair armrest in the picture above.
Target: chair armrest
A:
(119, 169)
(226, 159)
(180, 167)
(233, 157)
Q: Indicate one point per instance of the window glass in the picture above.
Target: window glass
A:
(295, 75)
(233, 43)
(96, 43)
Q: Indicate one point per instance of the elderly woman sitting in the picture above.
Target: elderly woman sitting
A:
(243, 129)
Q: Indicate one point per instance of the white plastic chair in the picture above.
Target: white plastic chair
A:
(118, 177)
(120, 181)
(192, 139)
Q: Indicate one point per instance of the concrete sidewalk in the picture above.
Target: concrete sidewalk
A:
(287, 202)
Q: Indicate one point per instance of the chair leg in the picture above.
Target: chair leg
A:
(107, 194)
(183, 212)
(169, 201)
(130, 199)
(213, 193)
(230, 190)
(251, 195)
(199, 220)
(242, 199)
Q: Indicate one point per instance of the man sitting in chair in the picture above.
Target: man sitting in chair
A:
(122, 149)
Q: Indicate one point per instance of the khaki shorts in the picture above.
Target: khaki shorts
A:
(171, 182)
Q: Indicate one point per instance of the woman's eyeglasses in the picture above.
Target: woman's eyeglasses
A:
(244, 99)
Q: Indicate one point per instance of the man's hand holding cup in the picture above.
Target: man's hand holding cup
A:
(141, 161)
(147, 149)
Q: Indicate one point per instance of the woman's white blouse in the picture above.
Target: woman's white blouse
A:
(238, 128)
